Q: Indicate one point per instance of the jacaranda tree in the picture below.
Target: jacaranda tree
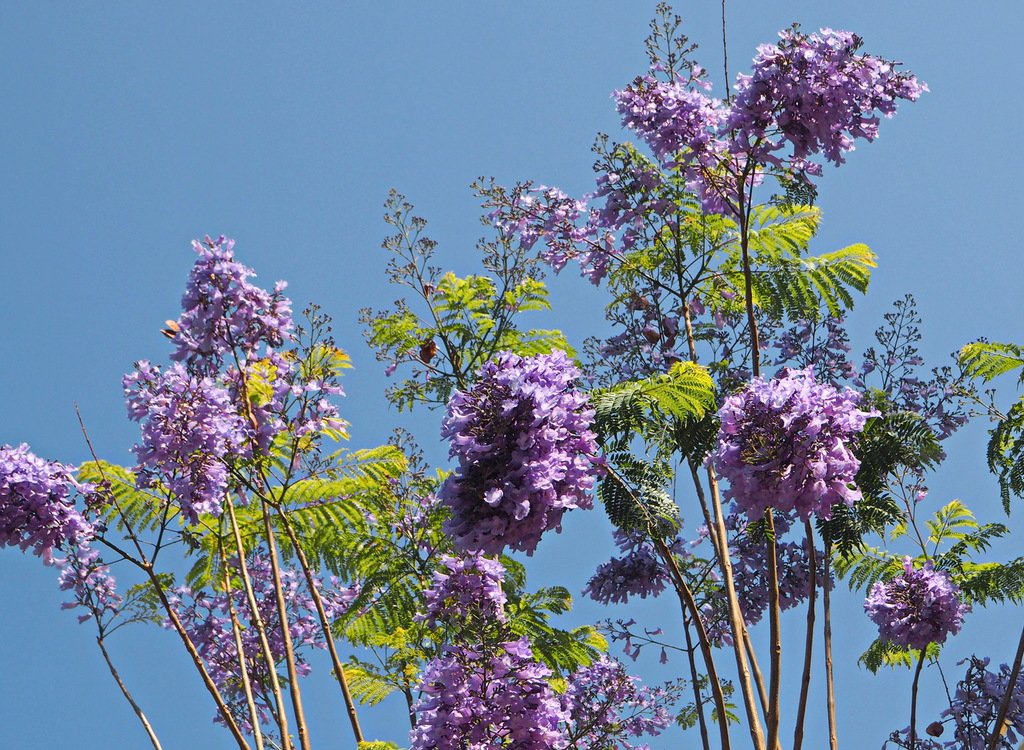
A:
(251, 531)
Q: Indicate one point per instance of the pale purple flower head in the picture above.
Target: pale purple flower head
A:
(638, 572)
(467, 587)
(207, 619)
(917, 607)
(473, 699)
(522, 437)
(671, 118)
(975, 707)
(608, 706)
(190, 427)
(815, 93)
(35, 508)
(94, 587)
(786, 443)
(223, 311)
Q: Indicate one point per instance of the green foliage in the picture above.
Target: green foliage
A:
(129, 507)
(634, 496)
(562, 650)
(653, 406)
(377, 745)
(465, 321)
(984, 583)
(786, 282)
(1005, 453)
(989, 359)
(885, 654)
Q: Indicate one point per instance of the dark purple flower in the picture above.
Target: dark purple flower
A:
(638, 573)
(35, 508)
(917, 607)
(207, 618)
(94, 587)
(526, 453)
(816, 94)
(786, 444)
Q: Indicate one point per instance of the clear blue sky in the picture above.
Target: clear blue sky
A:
(129, 128)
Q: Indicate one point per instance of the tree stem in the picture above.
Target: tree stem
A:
(261, 630)
(128, 696)
(775, 629)
(830, 688)
(1004, 704)
(913, 701)
(286, 634)
(805, 679)
(688, 603)
(339, 670)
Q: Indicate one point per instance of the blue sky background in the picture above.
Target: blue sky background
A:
(130, 128)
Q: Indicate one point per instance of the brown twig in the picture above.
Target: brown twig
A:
(805, 679)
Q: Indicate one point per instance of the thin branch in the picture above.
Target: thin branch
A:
(261, 629)
(236, 630)
(913, 701)
(325, 625)
(830, 688)
(688, 603)
(286, 634)
(775, 632)
(1004, 704)
(128, 696)
(805, 679)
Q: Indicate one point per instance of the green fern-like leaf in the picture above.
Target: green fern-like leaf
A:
(989, 359)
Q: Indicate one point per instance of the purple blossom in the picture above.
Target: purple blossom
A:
(671, 118)
(475, 700)
(207, 619)
(526, 453)
(222, 311)
(468, 587)
(917, 607)
(786, 444)
(607, 707)
(94, 587)
(190, 427)
(976, 704)
(749, 555)
(816, 94)
(35, 508)
(638, 573)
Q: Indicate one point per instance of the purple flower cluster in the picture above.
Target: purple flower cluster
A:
(786, 444)
(807, 95)
(207, 619)
(976, 704)
(816, 94)
(35, 507)
(94, 587)
(526, 453)
(671, 117)
(222, 311)
(638, 572)
(607, 706)
(473, 700)
(750, 576)
(190, 427)
(468, 587)
(917, 607)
